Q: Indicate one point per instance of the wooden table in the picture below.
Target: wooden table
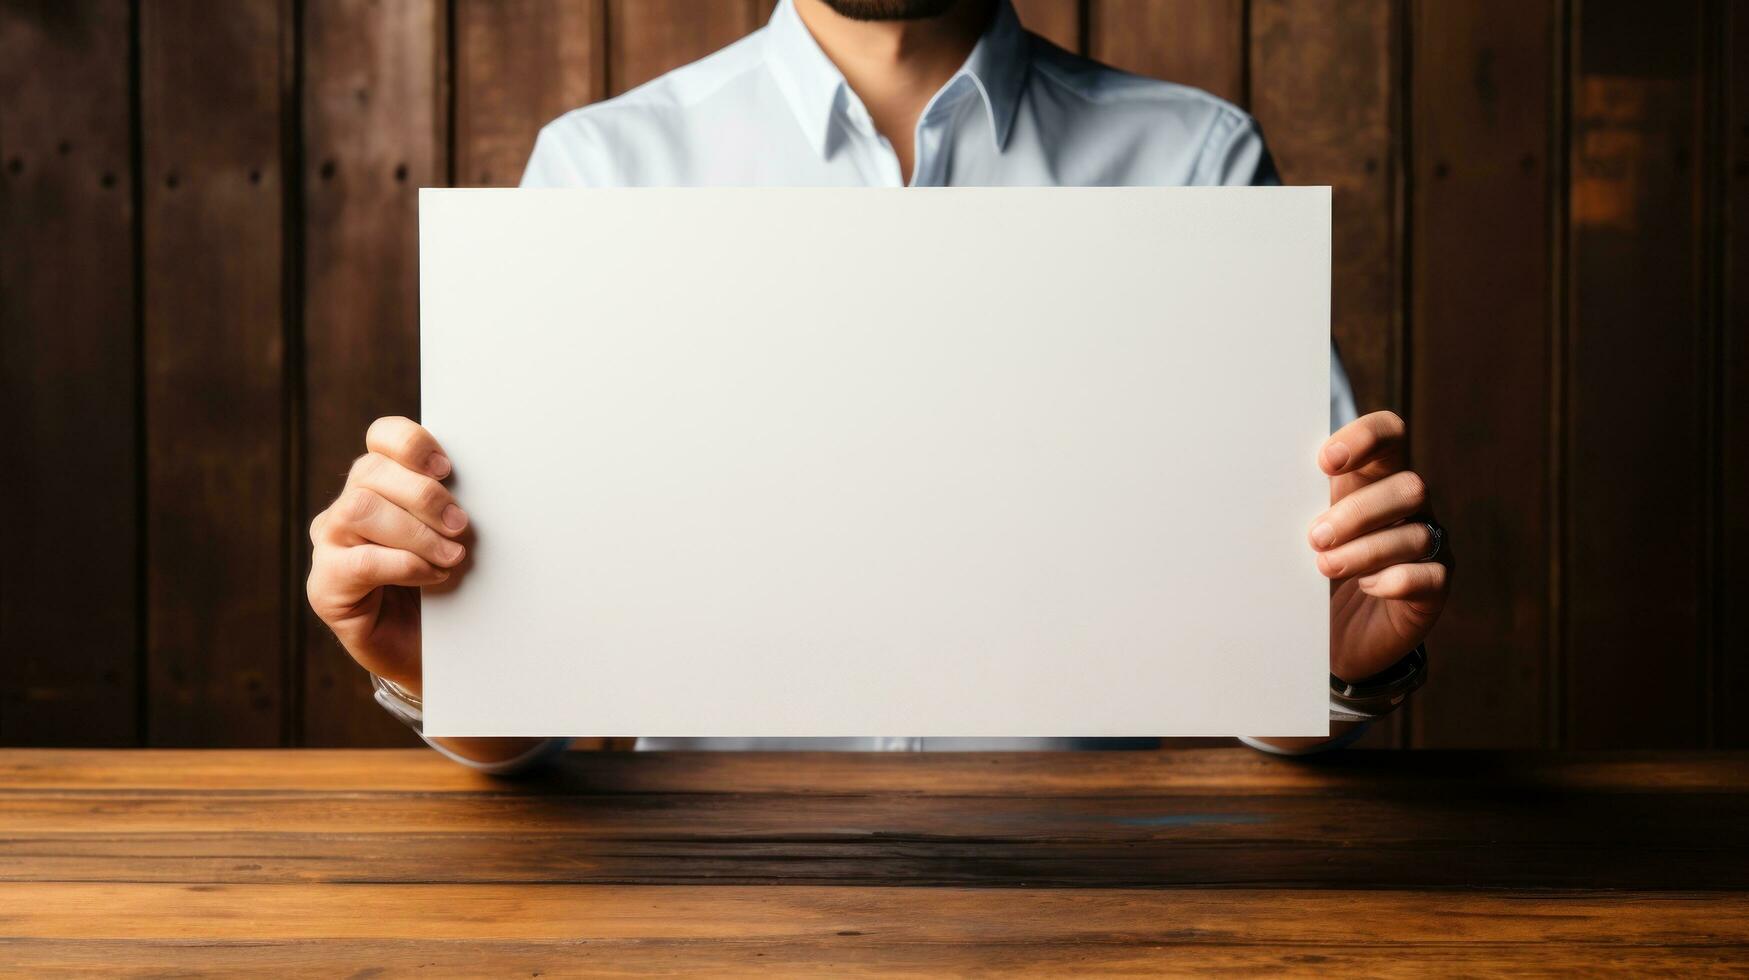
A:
(279, 863)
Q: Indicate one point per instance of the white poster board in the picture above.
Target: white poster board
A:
(854, 462)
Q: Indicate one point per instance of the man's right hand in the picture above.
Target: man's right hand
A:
(392, 529)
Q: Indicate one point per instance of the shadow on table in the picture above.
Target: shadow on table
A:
(1156, 819)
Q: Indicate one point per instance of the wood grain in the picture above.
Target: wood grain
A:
(256, 858)
(862, 917)
(1326, 91)
(1637, 427)
(1200, 43)
(1201, 861)
(1483, 321)
(374, 133)
(1203, 818)
(68, 377)
(649, 37)
(843, 957)
(213, 86)
(520, 65)
(1731, 665)
(1175, 772)
(1522, 817)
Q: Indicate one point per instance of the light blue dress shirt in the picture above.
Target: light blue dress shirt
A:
(773, 110)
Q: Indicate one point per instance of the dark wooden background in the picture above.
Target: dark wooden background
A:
(208, 274)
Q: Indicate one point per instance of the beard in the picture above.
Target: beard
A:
(889, 9)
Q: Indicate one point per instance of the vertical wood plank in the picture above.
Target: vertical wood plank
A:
(212, 92)
(374, 118)
(649, 37)
(1058, 21)
(68, 376)
(1482, 356)
(519, 64)
(1325, 90)
(1200, 43)
(1731, 643)
(1637, 425)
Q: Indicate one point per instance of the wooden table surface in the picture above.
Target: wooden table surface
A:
(288, 862)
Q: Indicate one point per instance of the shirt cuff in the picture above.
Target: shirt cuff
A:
(536, 757)
(1339, 742)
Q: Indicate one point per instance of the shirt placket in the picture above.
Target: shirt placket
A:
(929, 169)
(876, 158)
(934, 129)
(873, 154)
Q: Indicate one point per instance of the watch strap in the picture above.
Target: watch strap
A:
(1379, 695)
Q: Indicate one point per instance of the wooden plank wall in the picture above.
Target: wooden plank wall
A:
(1483, 180)
(69, 379)
(1636, 260)
(214, 238)
(208, 287)
(1729, 211)
(374, 129)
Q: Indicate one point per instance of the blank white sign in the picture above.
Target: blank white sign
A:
(839, 462)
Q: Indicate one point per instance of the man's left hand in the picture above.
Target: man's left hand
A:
(1372, 544)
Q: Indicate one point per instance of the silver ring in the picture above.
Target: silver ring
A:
(1437, 534)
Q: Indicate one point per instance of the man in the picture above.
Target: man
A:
(891, 93)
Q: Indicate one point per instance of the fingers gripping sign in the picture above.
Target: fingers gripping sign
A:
(392, 529)
(1374, 543)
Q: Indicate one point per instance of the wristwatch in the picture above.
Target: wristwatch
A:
(407, 706)
(400, 702)
(1376, 696)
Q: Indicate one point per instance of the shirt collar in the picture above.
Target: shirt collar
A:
(813, 85)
